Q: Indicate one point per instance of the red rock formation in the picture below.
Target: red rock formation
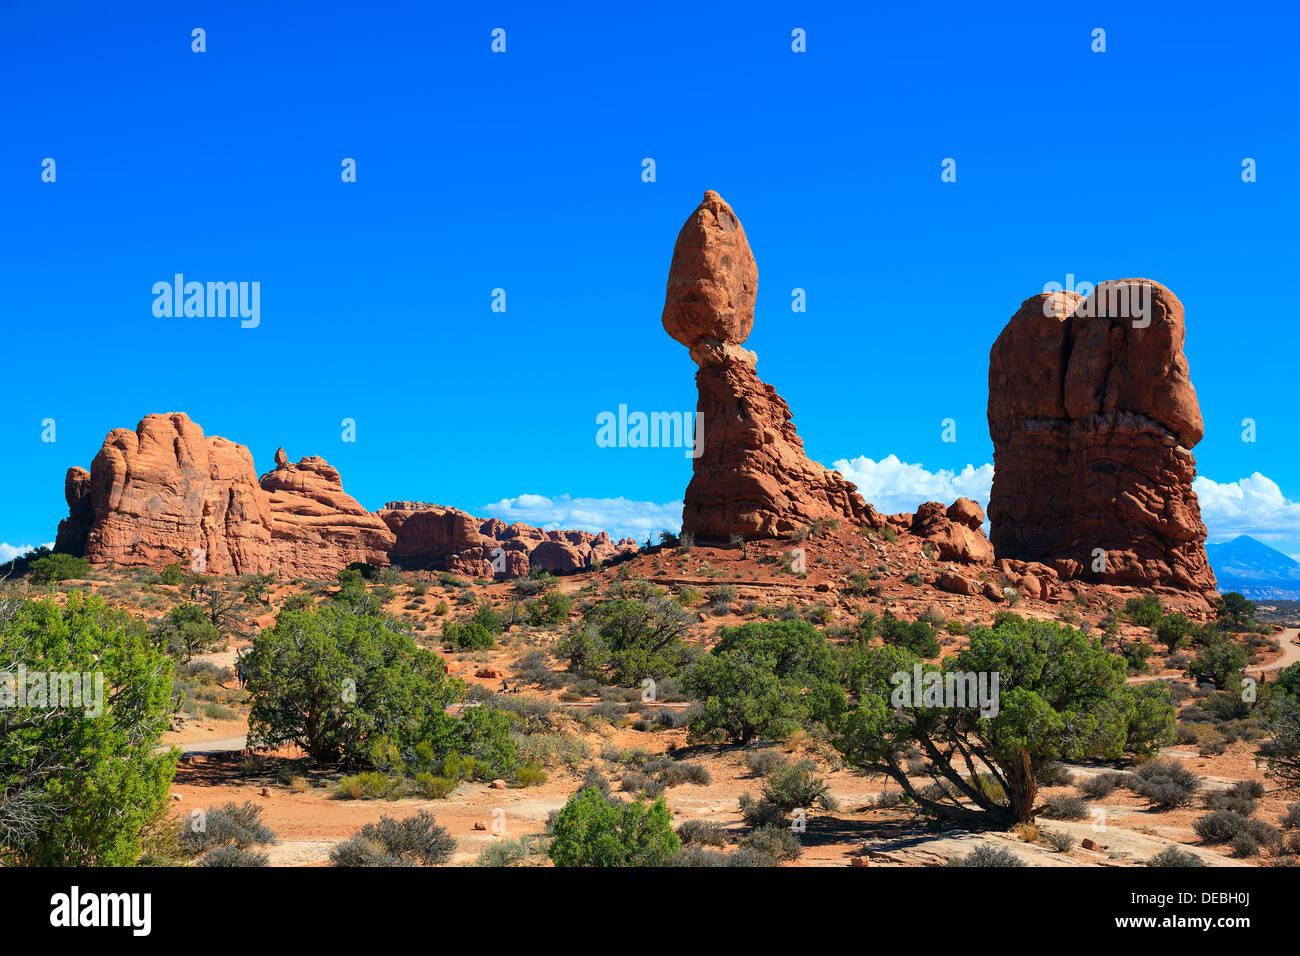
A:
(427, 536)
(166, 492)
(1093, 418)
(447, 539)
(753, 477)
(957, 531)
(71, 537)
(316, 527)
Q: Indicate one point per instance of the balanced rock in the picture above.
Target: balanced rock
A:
(752, 477)
(316, 527)
(1093, 417)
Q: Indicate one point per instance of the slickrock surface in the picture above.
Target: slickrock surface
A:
(753, 477)
(1093, 418)
(316, 527)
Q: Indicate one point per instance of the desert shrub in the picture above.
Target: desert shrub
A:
(487, 617)
(1186, 735)
(1173, 856)
(537, 582)
(763, 762)
(299, 670)
(531, 846)
(298, 600)
(1055, 682)
(765, 678)
(628, 639)
(1063, 807)
(1223, 826)
(760, 813)
(696, 856)
(1055, 774)
(172, 574)
(551, 608)
(1241, 796)
(1145, 611)
(184, 631)
(1102, 785)
(1244, 844)
(1233, 609)
(594, 830)
(918, 637)
(530, 775)
(231, 825)
(433, 787)
(370, 785)
(1291, 819)
(987, 856)
(673, 773)
(80, 787)
(1136, 654)
(57, 567)
(411, 841)
(595, 779)
(777, 842)
(1059, 841)
(1219, 660)
(233, 856)
(470, 635)
(1173, 630)
(636, 782)
(721, 598)
(1166, 784)
(796, 787)
(702, 832)
(669, 718)
(688, 596)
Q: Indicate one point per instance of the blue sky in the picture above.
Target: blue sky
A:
(522, 171)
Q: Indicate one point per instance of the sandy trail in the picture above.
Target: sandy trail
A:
(1290, 655)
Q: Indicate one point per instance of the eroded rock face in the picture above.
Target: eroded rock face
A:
(427, 535)
(753, 477)
(316, 527)
(167, 493)
(1093, 417)
(713, 279)
(433, 537)
(71, 537)
(956, 531)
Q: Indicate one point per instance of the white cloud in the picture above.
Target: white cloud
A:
(1253, 506)
(894, 486)
(619, 516)
(10, 551)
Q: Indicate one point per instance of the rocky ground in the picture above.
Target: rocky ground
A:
(845, 571)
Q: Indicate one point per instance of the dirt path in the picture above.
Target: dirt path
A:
(1290, 655)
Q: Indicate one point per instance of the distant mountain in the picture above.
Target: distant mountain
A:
(1254, 569)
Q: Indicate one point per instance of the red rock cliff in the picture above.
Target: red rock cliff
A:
(1093, 418)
